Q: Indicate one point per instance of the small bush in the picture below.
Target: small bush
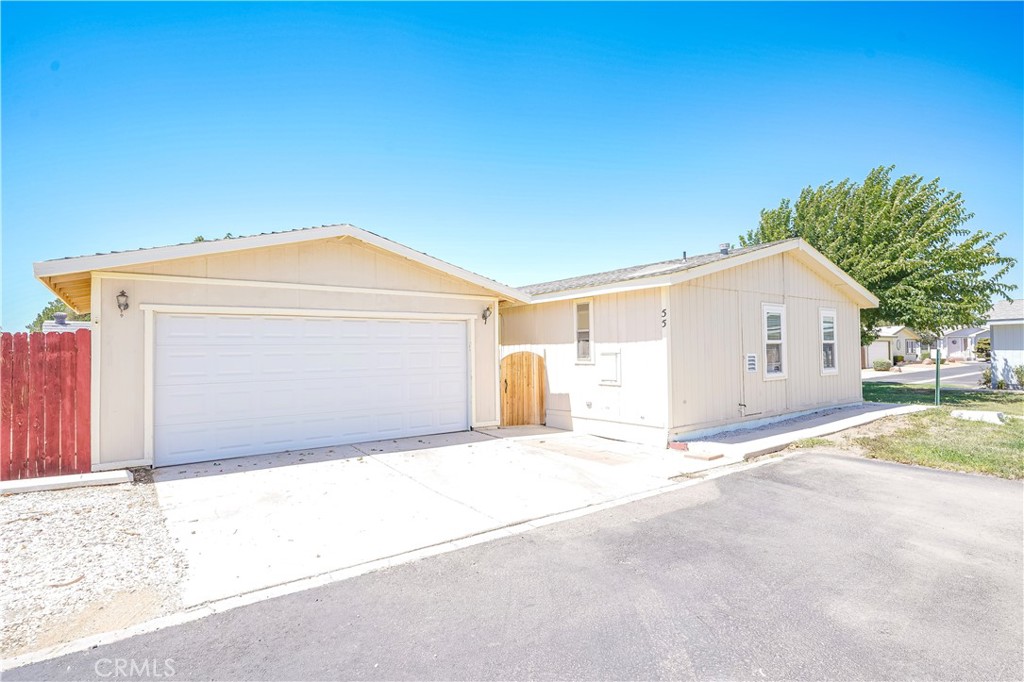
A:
(882, 365)
(983, 349)
(986, 378)
(1018, 375)
(1001, 385)
(897, 359)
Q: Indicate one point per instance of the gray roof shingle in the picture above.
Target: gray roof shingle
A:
(637, 272)
(1007, 310)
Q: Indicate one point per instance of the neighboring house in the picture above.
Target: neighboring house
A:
(1006, 322)
(60, 323)
(894, 340)
(656, 352)
(961, 344)
(280, 341)
(331, 335)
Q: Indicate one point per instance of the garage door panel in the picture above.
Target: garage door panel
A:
(227, 386)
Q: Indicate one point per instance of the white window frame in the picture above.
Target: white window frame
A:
(589, 302)
(767, 308)
(822, 314)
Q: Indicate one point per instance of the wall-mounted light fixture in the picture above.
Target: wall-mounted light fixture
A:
(122, 302)
(487, 313)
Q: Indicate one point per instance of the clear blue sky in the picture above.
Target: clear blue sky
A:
(526, 142)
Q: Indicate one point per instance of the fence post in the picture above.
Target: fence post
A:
(83, 401)
(19, 436)
(67, 403)
(6, 404)
(39, 464)
(52, 388)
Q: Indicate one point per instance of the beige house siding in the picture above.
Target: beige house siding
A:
(717, 321)
(119, 417)
(627, 324)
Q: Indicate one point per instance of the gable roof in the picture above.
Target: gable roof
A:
(895, 329)
(890, 330)
(1007, 310)
(966, 332)
(669, 272)
(72, 294)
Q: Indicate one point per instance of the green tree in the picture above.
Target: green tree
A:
(904, 239)
(54, 306)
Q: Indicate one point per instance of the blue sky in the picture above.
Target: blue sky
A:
(526, 142)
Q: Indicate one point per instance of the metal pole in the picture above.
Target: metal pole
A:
(938, 366)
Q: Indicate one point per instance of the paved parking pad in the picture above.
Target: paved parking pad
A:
(250, 523)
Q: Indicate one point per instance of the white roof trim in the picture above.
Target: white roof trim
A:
(104, 261)
(858, 293)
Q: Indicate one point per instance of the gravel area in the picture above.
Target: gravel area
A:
(83, 561)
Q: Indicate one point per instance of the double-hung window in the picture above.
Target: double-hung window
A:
(774, 321)
(584, 350)
(827, 324)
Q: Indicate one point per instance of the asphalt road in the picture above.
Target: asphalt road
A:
(964, 375)
(818, 566)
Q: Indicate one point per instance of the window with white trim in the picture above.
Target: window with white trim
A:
(827, 320)
(583, 326)
(774, 319)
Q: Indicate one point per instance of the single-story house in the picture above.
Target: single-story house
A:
(961, 344)
(892, 341)
(332, 335)
(280, 341)
(1006, 322)
(667, 350)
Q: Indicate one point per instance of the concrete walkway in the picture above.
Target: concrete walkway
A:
(746, 443)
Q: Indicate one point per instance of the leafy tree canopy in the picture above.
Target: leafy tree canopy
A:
(904, 240)
(54, 306)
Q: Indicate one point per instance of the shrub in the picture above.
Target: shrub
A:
(986, 378)
(897, 359)
(882, 365)
(1018, 375)
(1001, 385)
(983, 349)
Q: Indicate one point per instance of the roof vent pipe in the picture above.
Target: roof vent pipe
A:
(724, 249)
(684, 256)
(60, 318)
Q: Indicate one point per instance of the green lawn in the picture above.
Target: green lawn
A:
(934, 438)
(1000, 401)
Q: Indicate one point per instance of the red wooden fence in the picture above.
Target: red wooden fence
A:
(44, 404)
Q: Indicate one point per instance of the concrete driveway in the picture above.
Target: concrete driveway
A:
(250, 523)
(816, 567)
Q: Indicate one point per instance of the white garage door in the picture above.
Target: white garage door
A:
(233, 385)
(878, 350)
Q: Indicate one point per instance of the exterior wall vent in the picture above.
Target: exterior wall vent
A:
(751, 362)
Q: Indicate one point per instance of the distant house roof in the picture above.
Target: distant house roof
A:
(682, 269)
(1007, 311)
(893, 330)
(67, 326)
(966, 332)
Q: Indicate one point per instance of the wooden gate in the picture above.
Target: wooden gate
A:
(44, 404)
(522, 389)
